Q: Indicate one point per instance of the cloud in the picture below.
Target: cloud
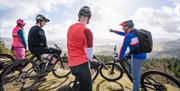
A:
(175, 1)
(58, 30)
(11, 10)
(105, 16)
(163, 22)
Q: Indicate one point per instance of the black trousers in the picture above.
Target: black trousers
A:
(83, 75)
(44, 50)
(38, 51)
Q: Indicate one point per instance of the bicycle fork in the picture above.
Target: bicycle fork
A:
(112, 70)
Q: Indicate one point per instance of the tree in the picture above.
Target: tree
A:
(4, 49)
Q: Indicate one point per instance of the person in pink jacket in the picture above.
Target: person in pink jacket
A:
(18, 42)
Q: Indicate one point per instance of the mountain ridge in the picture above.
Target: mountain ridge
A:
(105, 47)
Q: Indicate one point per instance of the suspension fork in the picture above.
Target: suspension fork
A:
(114, 62)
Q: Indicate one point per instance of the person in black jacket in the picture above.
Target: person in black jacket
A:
(37, 41)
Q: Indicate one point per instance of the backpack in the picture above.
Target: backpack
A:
(145, 39)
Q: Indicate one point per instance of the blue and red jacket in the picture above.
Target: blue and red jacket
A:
(131, 41)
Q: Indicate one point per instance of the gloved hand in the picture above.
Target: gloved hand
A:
(128, 56)
(53, 50)
(111, 30)
(12, 48)
(59, 51)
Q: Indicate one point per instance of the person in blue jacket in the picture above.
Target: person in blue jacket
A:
(131, 40)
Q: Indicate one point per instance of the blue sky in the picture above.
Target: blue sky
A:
(161, 17)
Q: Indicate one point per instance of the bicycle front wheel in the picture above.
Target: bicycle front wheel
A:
(112, 73)
(159, 81)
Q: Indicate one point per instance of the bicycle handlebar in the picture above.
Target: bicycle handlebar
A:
(116, 54)
(56, 46)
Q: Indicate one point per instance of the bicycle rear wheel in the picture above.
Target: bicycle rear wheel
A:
(159, 81)
(61, 69)
(112, 73)
(95, 66)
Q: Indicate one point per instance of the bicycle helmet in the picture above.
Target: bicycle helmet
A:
(85, 11)
(128, 23)
(21, 22)
(42, 18)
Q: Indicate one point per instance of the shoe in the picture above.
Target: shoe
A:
(50, 68)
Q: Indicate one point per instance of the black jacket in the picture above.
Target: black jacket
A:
(36, 38)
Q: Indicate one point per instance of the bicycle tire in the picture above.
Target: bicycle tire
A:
(95, 74)
(58, 72)
(148, 82)
(118, 69)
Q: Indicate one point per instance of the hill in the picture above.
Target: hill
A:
(105, 46)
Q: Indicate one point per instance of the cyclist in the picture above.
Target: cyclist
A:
(131, 41)
(18, 43)
(80, 49)
(37, 42)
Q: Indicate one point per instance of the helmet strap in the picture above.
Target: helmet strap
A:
(88, 20)
(39, 22)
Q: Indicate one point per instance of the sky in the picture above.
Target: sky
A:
(161, 17)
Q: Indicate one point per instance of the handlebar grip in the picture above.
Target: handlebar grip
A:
(94, 56)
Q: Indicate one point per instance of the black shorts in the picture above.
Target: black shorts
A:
(83, 75)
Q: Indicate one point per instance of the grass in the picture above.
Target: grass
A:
(100, 84)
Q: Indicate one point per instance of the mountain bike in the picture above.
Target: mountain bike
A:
(33, 72)
(150, 80)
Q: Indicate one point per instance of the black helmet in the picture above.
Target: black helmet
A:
(128, 23)
(85, 11)
(41, 17)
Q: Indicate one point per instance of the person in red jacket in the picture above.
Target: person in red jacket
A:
(18, 42)
(80, 49)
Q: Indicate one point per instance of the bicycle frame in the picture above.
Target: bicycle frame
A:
(125, 64)
(100, 62)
